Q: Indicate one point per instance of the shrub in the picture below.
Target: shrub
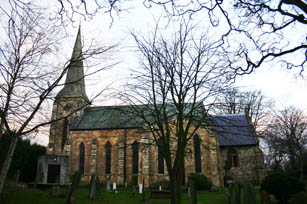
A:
(164, 185)
(299, 198)
(281, 185)
(200, 181)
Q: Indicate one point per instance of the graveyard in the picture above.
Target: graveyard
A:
(25, 195)
(107, 193)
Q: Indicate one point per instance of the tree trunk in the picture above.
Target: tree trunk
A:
(175, 190)
(302, 177)
(176, 180)
(8, 160)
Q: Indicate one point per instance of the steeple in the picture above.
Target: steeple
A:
(74, 84)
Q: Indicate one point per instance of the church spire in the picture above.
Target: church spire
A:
(77, 51)
(74, 84)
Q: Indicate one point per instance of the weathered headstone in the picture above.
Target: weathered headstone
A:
(236, 194)
(228, 198)
(93, 187)
(17, 175)
(230, 193)
(249, 196)
(108, 184)
(74, 187)
(134, 189)
(193, 193)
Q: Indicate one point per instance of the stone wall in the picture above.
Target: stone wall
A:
(251, 164)
(121, 141)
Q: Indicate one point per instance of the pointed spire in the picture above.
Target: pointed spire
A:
(74, 84)
(77, 51)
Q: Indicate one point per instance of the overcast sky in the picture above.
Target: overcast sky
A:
(286, 87)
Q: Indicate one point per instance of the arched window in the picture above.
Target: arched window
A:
(160, 158)
(81, 158)
(64, 134)
(108, 157)
(197, 154)
(232, 158)
(135, 158)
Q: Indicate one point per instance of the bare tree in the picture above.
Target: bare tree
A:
(252, 103)
(286, 136)
(178, 75)
(253, 32)
(28, 74)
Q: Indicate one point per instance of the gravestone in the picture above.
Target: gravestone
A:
(134, 189)
(114, 187)
(193, 193)
(140, 188)
(236, 197)
(17, 175)
(93, 187)
(228, 198)
(249, 194)
(74, 187)
(108, 184)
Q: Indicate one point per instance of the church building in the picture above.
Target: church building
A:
(103, 140)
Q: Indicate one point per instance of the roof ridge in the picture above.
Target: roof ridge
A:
(229, 115)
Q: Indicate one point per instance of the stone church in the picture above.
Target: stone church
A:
(104, 141)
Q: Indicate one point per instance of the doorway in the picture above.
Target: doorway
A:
(54, 171)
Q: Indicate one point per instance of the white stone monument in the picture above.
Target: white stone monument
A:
(114, 187)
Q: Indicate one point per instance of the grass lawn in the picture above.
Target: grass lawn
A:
(124, 196)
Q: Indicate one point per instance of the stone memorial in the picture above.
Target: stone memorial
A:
(108, 184)
(114, 187)
(140, 188)
(74, 187)
(93, 187)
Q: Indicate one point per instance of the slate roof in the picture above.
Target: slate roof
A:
(106, 117)
(234, 130)
(120, 117)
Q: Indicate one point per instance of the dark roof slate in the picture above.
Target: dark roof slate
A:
(234, 130)
(105, 117)
(121, 117)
